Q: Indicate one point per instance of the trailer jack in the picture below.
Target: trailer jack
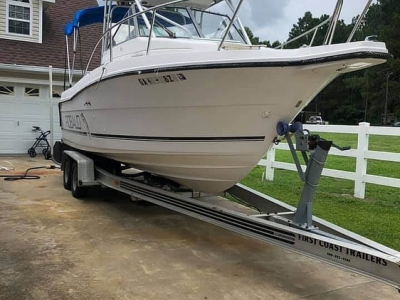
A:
(319, 238)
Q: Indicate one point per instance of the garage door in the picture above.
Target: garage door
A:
(21, 107)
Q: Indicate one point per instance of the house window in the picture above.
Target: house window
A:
(7, 90)
(19, 16)
(31, 92)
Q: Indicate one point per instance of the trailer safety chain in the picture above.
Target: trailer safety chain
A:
(25, 175)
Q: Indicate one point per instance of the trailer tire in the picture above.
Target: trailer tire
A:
(67, 173)
(58, 149)
(76, 190)
(47, 153)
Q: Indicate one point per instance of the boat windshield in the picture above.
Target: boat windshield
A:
(178, 22)
(214, 25)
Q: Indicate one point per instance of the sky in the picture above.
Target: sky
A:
(273, 19)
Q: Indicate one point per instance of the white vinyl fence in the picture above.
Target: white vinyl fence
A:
(362, 154)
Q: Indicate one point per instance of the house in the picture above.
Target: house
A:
(32, 39)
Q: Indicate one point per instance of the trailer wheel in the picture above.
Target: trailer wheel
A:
(58, 149)
(67, 173)
(47, 153)
(77, 191)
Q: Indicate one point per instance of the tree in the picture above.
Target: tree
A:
(358, 95)
(255, 40)
(307, 22)
(383, 20)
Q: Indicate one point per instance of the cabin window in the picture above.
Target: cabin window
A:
(214, 25)
(7, 90)
(19, 17)
(168, 23)
(124, 32)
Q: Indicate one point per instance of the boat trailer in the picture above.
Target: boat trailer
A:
(273, 222)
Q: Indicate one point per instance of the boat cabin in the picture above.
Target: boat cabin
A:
(151, 27)
(177, 22)
(130, 27)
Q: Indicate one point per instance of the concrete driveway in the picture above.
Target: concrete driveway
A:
(53, 246)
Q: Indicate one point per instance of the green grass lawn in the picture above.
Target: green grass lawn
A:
(376, 217)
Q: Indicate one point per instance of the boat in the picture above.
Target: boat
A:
(182, 93)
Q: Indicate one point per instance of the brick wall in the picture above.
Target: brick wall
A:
(52, 49)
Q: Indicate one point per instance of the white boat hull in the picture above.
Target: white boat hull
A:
(204, 127)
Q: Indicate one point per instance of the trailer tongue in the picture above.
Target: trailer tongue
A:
(276, 223)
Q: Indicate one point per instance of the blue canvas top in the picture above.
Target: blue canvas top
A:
(93, 15)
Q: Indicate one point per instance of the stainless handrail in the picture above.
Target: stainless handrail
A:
(332, 27)
(140, 8)
(244, 35)
(366, 8)
(108, 22)
(151, 30)
(315, 29)
(230, 24)
(126, 19)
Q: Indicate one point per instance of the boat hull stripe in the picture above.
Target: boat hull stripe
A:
(172, 139)
(75, 131)
(290, 63)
